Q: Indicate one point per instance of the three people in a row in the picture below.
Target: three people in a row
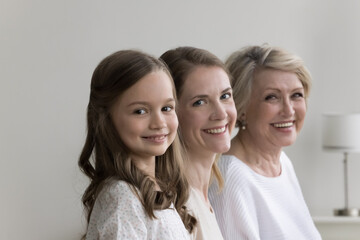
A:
(159, 138)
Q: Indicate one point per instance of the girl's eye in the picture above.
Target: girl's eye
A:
(167, 109)
(140, 111)
(199, 103)
(298, 95)
(225, 96)
(270, 97)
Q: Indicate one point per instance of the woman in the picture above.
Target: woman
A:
(262, 198)
(132, 154)
(207, 115)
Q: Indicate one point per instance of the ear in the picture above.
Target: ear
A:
(241, 117)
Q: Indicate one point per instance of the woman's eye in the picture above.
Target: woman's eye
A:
(225, 96)
(270, 97)
(298, 95)
(140, 111)
(198, 103)
(167, 109)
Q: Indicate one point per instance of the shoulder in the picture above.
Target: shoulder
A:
(232, 167)
(236, 174)
(117, 213)
(286, 162)
(119, 195)
(117, 191)
(226, 162)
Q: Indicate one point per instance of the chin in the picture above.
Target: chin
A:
(288, 143)
(159, 152)
(219, 149)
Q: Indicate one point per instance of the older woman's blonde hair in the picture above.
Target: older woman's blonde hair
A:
(243, 63)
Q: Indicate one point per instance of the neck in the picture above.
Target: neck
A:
(198, 171)
(263, 160)
(147, 166)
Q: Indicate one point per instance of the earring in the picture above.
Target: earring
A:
(243, 122)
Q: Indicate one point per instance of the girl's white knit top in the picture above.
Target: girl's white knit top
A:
(119, 214)
(252, 206)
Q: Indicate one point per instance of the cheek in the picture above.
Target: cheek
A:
(300, 109)
(300, 115)
(172, 122)
(232, 114)
(127, 131)
(189, 122)
(268, 112)
(184, 119)
(118, 122)
(254, 114)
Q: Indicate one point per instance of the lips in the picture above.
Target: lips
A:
(283, 124)
(215, 130)
(156, 138)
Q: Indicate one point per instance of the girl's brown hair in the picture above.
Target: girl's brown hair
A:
(105, 157)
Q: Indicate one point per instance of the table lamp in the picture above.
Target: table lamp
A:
(341, 133)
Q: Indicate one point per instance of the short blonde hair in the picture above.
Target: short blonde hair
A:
(243, 63)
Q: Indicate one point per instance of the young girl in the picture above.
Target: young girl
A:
(132, 154)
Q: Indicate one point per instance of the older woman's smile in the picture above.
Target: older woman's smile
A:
(283, 124)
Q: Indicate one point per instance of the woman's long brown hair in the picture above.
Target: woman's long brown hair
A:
(181, 62)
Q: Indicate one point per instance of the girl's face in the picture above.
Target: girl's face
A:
(207, 111)
(145, 118)
(277, 108)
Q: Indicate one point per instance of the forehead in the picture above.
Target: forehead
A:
(206, 79)
(155, 85)
(272, 78)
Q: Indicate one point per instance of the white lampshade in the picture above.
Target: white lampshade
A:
(341, 132)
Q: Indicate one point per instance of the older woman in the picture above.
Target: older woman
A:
(207, 115)
(262, 198)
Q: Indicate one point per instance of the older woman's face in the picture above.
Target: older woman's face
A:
(277, 108)
(206, 110)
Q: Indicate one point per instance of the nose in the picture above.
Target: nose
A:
(157, 120)
(219, 112)
(288, 108)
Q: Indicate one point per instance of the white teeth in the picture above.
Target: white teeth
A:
(219, 130)
(157, 138)
(283, 125)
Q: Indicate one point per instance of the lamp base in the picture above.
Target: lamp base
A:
(349, 212)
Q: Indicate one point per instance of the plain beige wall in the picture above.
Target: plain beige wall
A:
(49, 49)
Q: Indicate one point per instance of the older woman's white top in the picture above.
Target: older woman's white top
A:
(119, 214)
(207, 227)
(252, 206)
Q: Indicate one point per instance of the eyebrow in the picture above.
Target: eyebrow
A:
(277, 89)
(204, 95)
(227, 89)
(147, 103)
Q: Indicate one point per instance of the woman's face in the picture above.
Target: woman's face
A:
(144, 116)
(277, 108)
(206, 111)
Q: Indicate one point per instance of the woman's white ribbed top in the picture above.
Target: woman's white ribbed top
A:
(252, 206)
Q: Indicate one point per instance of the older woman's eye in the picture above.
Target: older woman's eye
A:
(298, 95)
(270, 97)
(199, 103)
(225, 96)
